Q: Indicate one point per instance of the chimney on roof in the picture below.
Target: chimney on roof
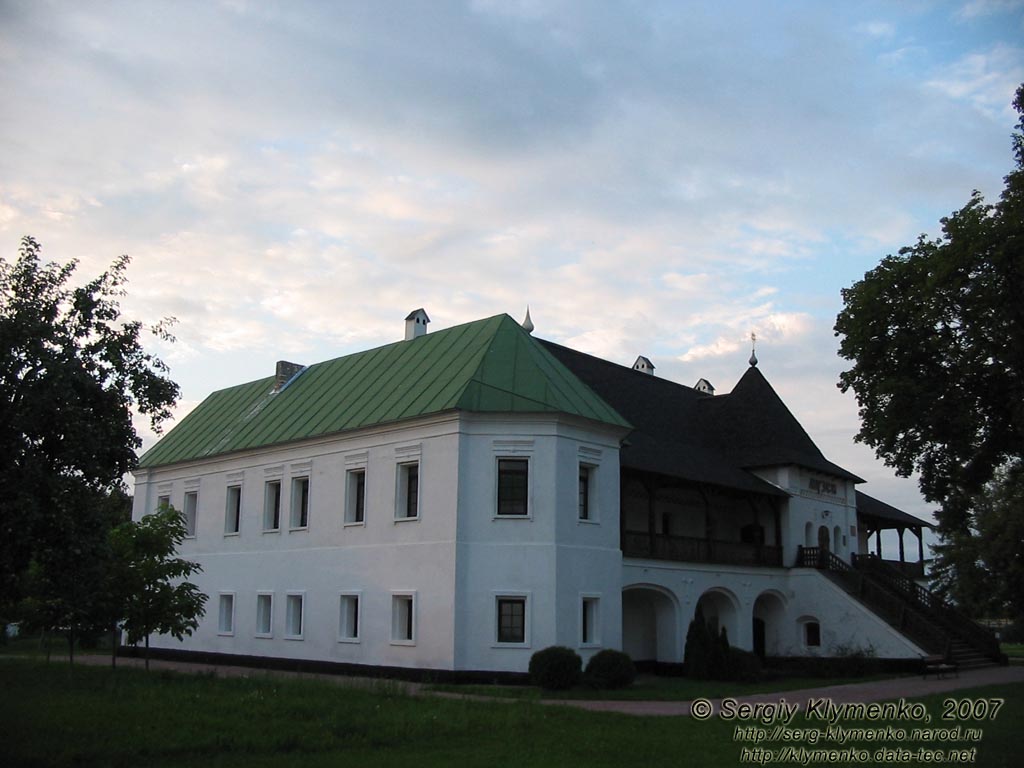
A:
(285, 372)
(705, 386)
(644, 365)
(416, 324)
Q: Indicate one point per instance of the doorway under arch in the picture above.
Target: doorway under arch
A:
(720, 609)
(768, 620)
(650, 624)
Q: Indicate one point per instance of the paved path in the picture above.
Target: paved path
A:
(876, 690)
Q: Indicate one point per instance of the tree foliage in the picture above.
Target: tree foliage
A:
(71, 373)
(936, 337)
(149, 583)
(984, 567)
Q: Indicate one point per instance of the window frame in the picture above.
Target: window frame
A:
(807, 633)
(527, 512)
(299, 503)
(288, 634)
(230, 630)
(593, 507)
(511, 597)
(408, 614)
(402, 505)
(590, 619)
(355, 496)
(191, 516)
(270, 614)
(343, 615)
(237, 511)
(267, 485)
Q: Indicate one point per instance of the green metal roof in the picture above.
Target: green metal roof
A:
(490, 366)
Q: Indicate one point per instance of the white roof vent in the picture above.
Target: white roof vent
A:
(416, 324)
(703, 385)
(644, 365)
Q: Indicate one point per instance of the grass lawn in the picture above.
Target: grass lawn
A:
(1013, 650)
(654, 688)
(129, 718)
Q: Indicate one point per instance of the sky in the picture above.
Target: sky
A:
(290, 179)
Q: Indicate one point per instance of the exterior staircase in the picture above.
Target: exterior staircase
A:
(914, 611)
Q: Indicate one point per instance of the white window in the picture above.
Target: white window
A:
(233, 510)
(408, 496)
(355, 496)
(512, 620)
(348, 617)
(272, 506)
(265, 614)
(513, 487)
(403, 618)
(226, 617)
(586, 508)
(191, 509)
(162, 503)
(294, 615)
(590, 615)
(300, 503)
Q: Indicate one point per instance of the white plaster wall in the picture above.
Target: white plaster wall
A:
(803, 592)
(818, 508)
(378, 557)
(550, 555)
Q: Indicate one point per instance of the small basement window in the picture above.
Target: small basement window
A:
(264, 614)
(226, 617)
(294, 618)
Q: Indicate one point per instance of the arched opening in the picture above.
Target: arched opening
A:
(719, 607)
(650, 628)
(837, 538)
(769, 613)
(809, 535)
(823, 539)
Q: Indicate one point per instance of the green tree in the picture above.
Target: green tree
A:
(936, 337)
(984, 567)
(698, 651)
(149, 583)
(71, 374)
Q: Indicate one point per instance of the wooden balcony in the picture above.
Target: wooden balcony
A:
(688, 549)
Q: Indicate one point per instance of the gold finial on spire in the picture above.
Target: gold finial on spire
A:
(753, 349)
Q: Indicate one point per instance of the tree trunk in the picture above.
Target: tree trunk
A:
(71, 649)
(147, 653)
(113, 646)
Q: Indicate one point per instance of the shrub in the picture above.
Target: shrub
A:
(696, 657)
(556, 668)
(744, 666)
(610, 669)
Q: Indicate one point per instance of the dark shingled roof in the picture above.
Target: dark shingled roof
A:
(754, 428)
(881, 516)
(668, 437)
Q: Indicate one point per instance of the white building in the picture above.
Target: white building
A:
(461, 499)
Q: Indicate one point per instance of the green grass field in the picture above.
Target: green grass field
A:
(1013, 650)
(653, 688)
(129, 718)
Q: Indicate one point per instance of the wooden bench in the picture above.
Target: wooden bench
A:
(938, 666)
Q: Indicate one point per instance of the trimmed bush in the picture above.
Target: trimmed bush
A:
(610, 669)
(697, 654)
(556, 668)
(744, 666)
